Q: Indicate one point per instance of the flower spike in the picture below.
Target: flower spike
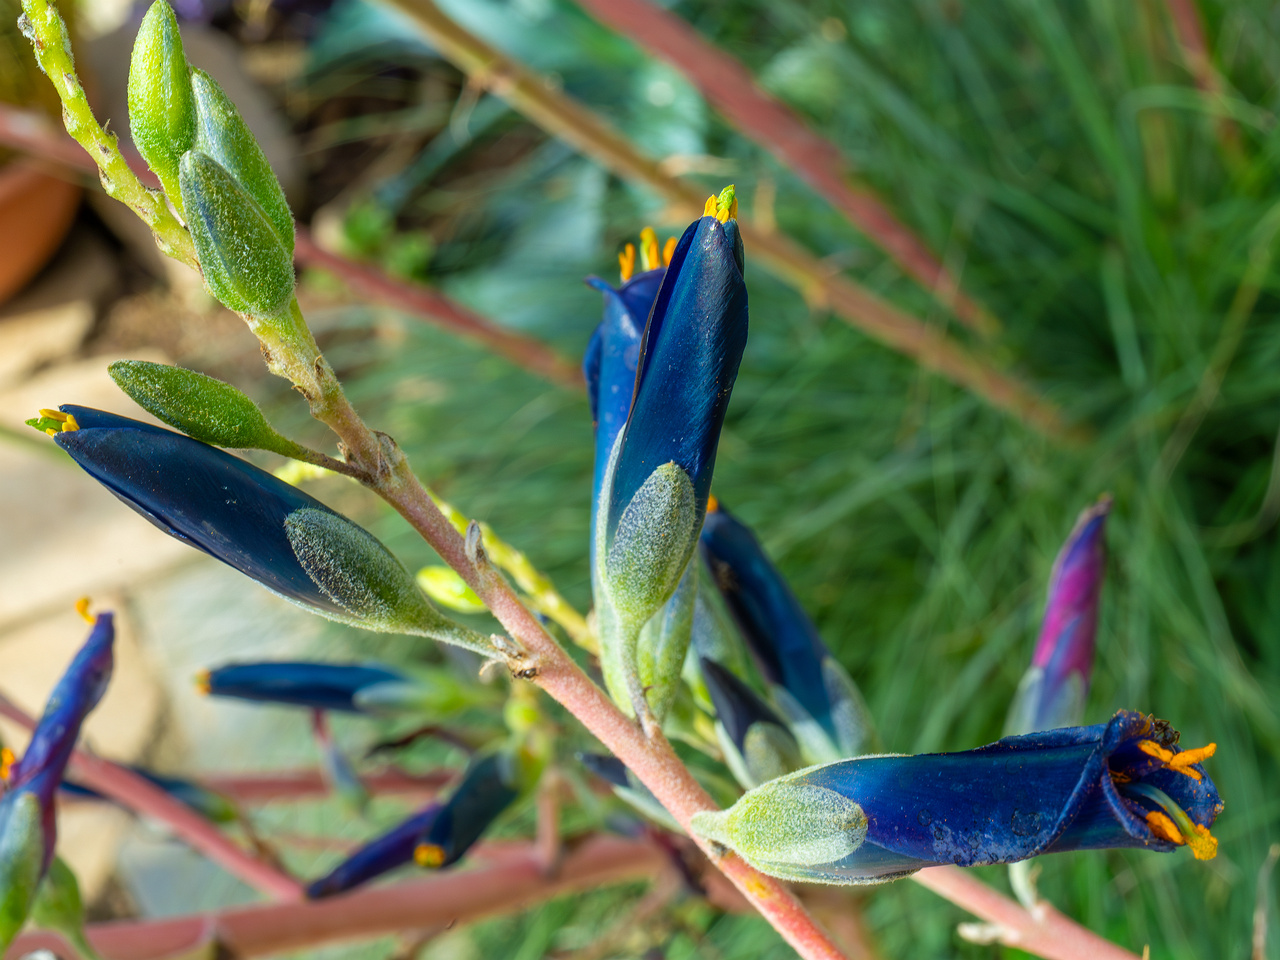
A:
(288, 541)
(879, 818)
(382, 855)
(1052, 692)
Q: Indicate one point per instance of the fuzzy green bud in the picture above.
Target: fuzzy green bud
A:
(21, 861)
(360, 575)
(209, 410)
(246, 265)
(222, 134)
(783, 826)
(162, 108)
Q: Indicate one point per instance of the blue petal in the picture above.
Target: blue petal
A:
(782, 638)
(319, 686)
(486, 790)
(391, 850)
(614, 353)
(689, 358)
(216, 502)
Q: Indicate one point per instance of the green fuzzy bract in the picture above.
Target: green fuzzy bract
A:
(200, 406)
(162, 110)
(21, 859)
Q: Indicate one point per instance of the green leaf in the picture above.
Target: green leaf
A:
(162, 109)
(245, 263)
(223, 135)
(21, 861)
(200, 406)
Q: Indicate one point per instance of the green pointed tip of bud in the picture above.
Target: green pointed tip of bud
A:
(446, 588)
(44, 424)
(21, 861)
(200, 406)
(223, 135)
(360, 575)
(245, 263)
(783, 827)
(162, 110)
(727, 204)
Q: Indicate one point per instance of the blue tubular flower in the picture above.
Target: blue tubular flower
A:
(391, 850)
(488, 787)
(1053, 690)
(655, 485)
(817, 696)
(319, 686)
(757, 745)
(1118, 784)
(28, 830)
(289, 542)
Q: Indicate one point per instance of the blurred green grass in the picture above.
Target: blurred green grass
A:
(1058, 156)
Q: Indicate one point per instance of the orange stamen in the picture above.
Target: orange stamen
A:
(1178, 762)
(7, 760)
(712, 504)
(627, 261)
(649, 255)
(428, 855)
(1164, 828)
(709, 208)
(668, 249)
(203, 683)
(82, 608)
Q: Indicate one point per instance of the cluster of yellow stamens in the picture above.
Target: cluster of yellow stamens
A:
(724, 207)
(67, 421)
(650, 256)
(1178, 762)
(1171, 822)
(428, 855)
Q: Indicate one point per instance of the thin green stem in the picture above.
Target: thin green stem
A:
(44, 27)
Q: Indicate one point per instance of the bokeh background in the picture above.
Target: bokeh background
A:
(1070, 163)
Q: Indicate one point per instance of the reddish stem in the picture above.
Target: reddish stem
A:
(1044, 933)
(1189, 29)
(730, 87)
(293, 785)
(141, 796)
(513, 882)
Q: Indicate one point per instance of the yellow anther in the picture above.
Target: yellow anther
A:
(1181, 762)
(1164, 828)
(203, 682)
(70, 424)
(709, 208)
(428, 855)
(627, 261)
(1178, 762)
(668, 249)
(54, 414)
(712, 504)
(1203, 844)
(67, 421)
(7, 760)
(649, 254)
(82, 608)
(50, 431)
(1153, 749)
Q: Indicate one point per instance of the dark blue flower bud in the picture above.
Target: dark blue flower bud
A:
(382, 855)
(756, 743)
(28, 828)
(1118, 784)
(809, 685)
(288, 541)
(490, 785)
(318, 686)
